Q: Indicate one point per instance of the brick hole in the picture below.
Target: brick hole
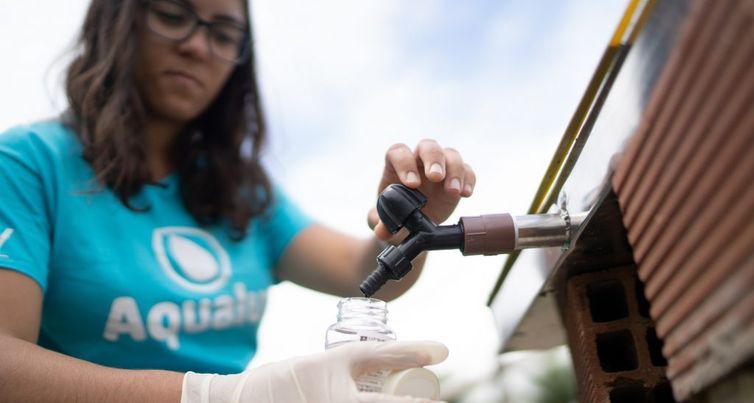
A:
(641, 300)
(616, 351)
(663, 393)
(628, 393)
(607, 301)
(655, 349)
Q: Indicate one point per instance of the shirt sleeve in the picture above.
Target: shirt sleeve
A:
(283, 221)
(24, 220)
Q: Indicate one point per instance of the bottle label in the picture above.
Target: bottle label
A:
(371, 381)
(372, 337)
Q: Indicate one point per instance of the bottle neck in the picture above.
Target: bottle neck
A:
(362, 309)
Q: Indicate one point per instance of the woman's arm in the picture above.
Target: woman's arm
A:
(29, 373)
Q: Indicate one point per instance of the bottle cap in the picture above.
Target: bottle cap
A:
(414, 382)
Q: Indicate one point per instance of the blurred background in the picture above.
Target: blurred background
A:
(341, 82)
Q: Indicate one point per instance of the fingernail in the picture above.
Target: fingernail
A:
(467, 189)
(436, 168)
(411, 177)
(455, 184)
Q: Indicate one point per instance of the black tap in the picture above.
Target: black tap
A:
(399, 206)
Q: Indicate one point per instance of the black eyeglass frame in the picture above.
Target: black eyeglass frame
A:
(244, 46)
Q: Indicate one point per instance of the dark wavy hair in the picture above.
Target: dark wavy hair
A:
(218, 182)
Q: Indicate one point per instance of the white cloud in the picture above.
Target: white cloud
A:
(35, 38)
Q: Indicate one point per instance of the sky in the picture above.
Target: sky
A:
(342, 81)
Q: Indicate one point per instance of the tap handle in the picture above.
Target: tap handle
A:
(396, 204)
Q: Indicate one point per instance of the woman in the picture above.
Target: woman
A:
(139, 233)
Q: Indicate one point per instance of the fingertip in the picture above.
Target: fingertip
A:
(372, 218)
(412, 180)
(438, 352)
(381, 232)
(435, 172)
(469, 181)
(424, 352)
(453, 187)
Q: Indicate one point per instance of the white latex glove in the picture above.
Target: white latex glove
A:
(326, 377)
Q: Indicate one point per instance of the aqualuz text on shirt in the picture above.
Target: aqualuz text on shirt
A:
(166, 321)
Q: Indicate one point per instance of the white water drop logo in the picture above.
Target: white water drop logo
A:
(192, 258)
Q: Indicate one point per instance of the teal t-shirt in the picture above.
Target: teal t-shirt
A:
(131, 289)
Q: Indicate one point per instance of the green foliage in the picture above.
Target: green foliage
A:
(556, 383)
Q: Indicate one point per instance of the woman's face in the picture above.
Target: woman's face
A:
(179, 79)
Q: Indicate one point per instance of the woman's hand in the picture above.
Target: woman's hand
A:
(439, 173)
(328, 376)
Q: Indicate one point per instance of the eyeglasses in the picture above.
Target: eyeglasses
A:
(175, 21)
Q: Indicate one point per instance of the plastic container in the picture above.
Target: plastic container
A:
(365, 319)
(361, 319)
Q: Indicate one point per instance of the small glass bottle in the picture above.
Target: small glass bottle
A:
(361, 319)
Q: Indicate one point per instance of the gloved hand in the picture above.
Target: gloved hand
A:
(326, 377)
